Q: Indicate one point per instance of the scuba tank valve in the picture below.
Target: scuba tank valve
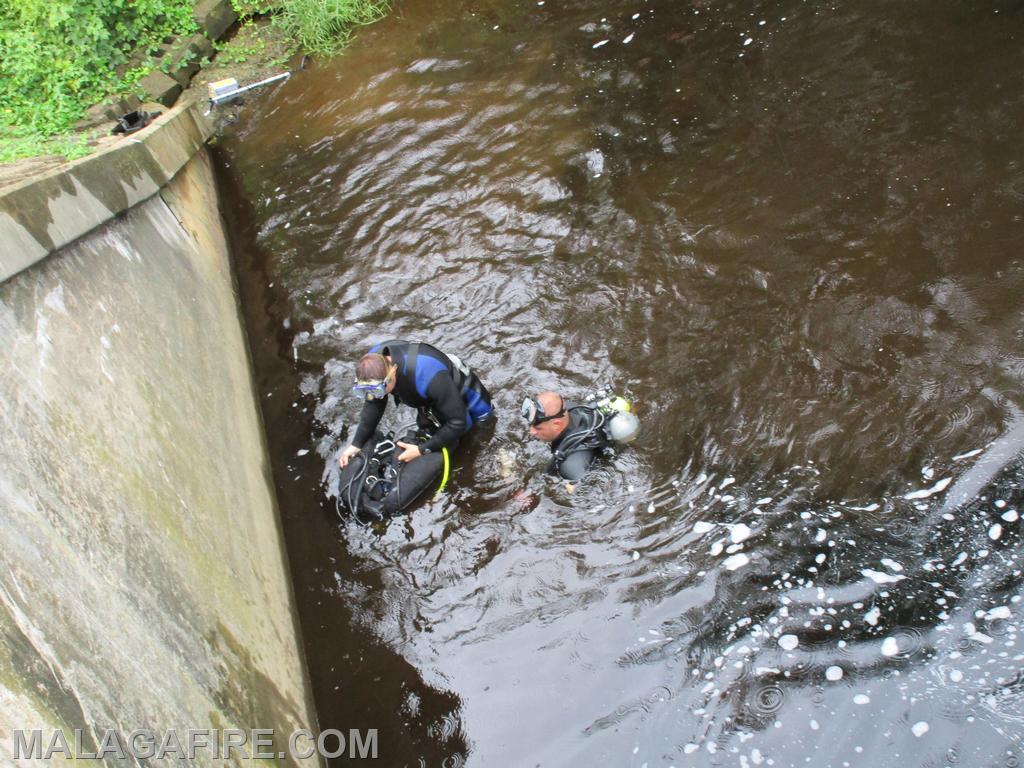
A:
(621, 423)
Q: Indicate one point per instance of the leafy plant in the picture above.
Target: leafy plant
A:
(247, 9)
(247, 44)
(57, 57)
(70, 146)
(325, 26)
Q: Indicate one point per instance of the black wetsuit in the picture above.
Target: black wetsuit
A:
(427, 380)
(575, 450)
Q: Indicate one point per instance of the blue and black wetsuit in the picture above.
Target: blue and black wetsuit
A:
(450, 397)
(583, 440)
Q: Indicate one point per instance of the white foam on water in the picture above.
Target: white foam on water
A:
(920, 728)
(967, 455)
(892, 565)
(924, 494)
(703, 527)
(862, 699)
(995, 532)
(890, 647)
(872, 616)
(834, 673)
(736, 561)
(1010, 516)
(881, 578)
(739, 532)
(599, 43)
(868, 508)
(789, 642)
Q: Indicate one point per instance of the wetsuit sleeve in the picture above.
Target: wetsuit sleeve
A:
(447, 403)
(576, 464)
(369, 418)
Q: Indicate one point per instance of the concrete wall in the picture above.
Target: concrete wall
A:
(143, 582)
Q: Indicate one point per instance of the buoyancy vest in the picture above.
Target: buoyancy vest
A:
(585, 432)
(419, 363)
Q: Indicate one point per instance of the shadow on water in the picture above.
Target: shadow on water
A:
(791, 232)
(358, 681)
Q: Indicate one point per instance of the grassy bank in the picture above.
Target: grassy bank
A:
(59, 57)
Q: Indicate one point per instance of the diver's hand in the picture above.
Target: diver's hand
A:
(346, 455)
(411, 451)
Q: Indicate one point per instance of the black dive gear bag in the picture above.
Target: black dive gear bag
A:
(376, 485)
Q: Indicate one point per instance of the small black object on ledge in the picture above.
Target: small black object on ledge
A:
(134, 121)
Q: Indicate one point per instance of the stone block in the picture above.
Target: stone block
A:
(107, 111)
(160, 87)
(215, 17)
(201, 44)
(98, 114)
(129, 104)
(183, 61)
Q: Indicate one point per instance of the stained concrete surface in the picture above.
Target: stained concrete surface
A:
(44, 212)
(142, 578)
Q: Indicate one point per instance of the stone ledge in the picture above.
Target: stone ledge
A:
(47, 212)
(214, 17)
(160, 87)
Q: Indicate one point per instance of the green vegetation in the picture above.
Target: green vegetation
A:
(59, 57)
(254, 42)
(325, 26)
(15, 147)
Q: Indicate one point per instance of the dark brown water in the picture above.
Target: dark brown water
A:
(793, 233)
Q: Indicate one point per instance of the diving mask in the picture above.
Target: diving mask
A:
(373, 390)
(533, 411)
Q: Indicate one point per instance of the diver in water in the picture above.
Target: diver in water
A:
(578, 434)
(448, 396)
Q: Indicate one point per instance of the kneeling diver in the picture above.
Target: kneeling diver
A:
(578, 434)
(449, 398)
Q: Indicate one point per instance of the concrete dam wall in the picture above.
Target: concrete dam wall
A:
(143, 581)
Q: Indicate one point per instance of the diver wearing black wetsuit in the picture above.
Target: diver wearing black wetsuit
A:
(579, 445)
(576, 433)
(449, 397)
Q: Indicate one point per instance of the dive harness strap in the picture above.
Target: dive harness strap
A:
(462, 375)
(590, 438)
(461, 372)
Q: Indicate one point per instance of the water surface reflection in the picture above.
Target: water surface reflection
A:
(791, 231)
